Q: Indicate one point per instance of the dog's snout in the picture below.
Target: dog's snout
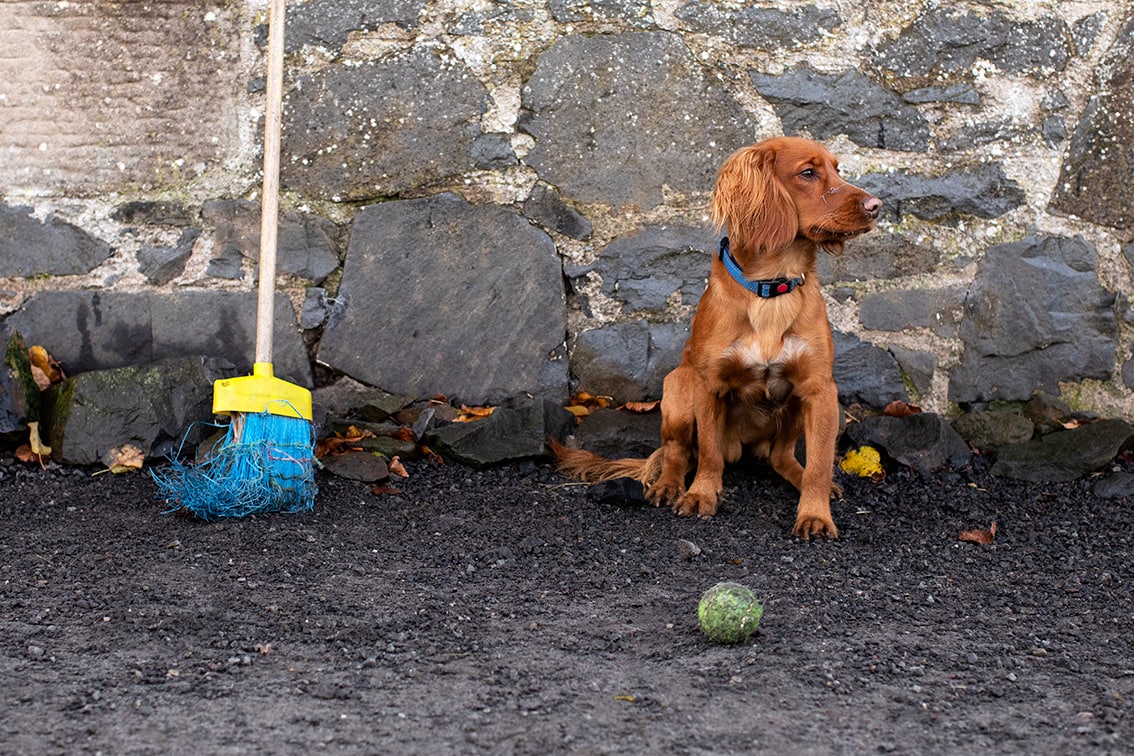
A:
(872, 206)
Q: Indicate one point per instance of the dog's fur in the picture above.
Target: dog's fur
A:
(756, 373)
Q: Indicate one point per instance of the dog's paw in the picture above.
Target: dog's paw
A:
(806, 527)
(663, 492)
(696, 505)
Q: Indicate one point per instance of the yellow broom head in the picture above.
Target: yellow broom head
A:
(261, 392)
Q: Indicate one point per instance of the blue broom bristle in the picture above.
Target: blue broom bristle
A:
(265, 463)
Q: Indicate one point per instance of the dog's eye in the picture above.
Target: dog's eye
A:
(808, 173)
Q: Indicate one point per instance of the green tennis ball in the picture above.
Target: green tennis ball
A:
(729, 613)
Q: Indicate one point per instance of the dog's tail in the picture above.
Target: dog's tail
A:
(591, 468)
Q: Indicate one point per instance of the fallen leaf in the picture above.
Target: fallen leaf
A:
(628, 699)
(342, 443)
(592, 401)
(431, 455)
(397, 468)
(979, 536)
(641, 406)
(34, 450)
(124, 458)
(864, 462)
(43, 362)
(468, 414)
(384, 490)
(42, 379)
(579, 411)
(898, 408)
(405, 433)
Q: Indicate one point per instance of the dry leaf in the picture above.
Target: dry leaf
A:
(124, 458)
(641, 406)
(405, 433)
(42, 379)
(34, 450)
(898, 408)
(397, 468)
(431, 455)
(579, 411)
(43, 362)
(592, 401)
(468, 414)
(979, 536)
(384, 491)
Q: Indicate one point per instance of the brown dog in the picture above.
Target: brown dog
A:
(756, 370)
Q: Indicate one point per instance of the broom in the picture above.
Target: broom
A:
(265, 463)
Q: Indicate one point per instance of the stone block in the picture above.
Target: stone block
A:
(154, 407)
(616, 118)
(99, 330)
(440, 296)
(31, 247)
(1035, 315)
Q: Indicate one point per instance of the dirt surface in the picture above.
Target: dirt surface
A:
(508, 612)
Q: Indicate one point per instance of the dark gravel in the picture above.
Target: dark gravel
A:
(509, 611)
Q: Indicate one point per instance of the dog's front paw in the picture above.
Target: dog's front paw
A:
(694, 504)
(664, 492)
(807, 526)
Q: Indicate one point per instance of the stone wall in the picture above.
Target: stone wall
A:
(486, 199)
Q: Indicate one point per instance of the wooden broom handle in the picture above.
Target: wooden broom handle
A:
(270, 201)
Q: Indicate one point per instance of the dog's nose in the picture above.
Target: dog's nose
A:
(872, 206)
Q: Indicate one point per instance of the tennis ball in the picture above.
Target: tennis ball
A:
(729, 613)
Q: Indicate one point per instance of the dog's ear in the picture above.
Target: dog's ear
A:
(752, 203)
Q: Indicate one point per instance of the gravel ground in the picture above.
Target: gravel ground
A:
(509, 611)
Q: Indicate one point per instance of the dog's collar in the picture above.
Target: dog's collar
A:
(764, 289)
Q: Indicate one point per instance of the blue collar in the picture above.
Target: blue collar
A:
(764, 289)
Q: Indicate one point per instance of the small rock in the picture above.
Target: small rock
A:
(687, 549)
(1115, 486)
(359, 465)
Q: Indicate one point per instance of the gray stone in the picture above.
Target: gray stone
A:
(900, 310)
(1094, 183)
(945, 43)
(357, 465)
(440, 296)
(981, 190)
(154, 407)
(866, 374)
(493, 151)
(761, 28)
(963, 94)
(305, 248)
(347, 398)
(98, 330)
(52, 246)
(917, 367)
(1117, 485)
(655, 267)
(314, 310)
(160, 265)
(923, 441)
(548, 209)
(620, 433)
(989, 429)
(877, 255)
(371, 130)
(328, 23)
(514, 432)
(1128, 374)
(617, 118)
(827, 105)
(1065, 455)
(153, 213)
(1035, 316)
(628, 361)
